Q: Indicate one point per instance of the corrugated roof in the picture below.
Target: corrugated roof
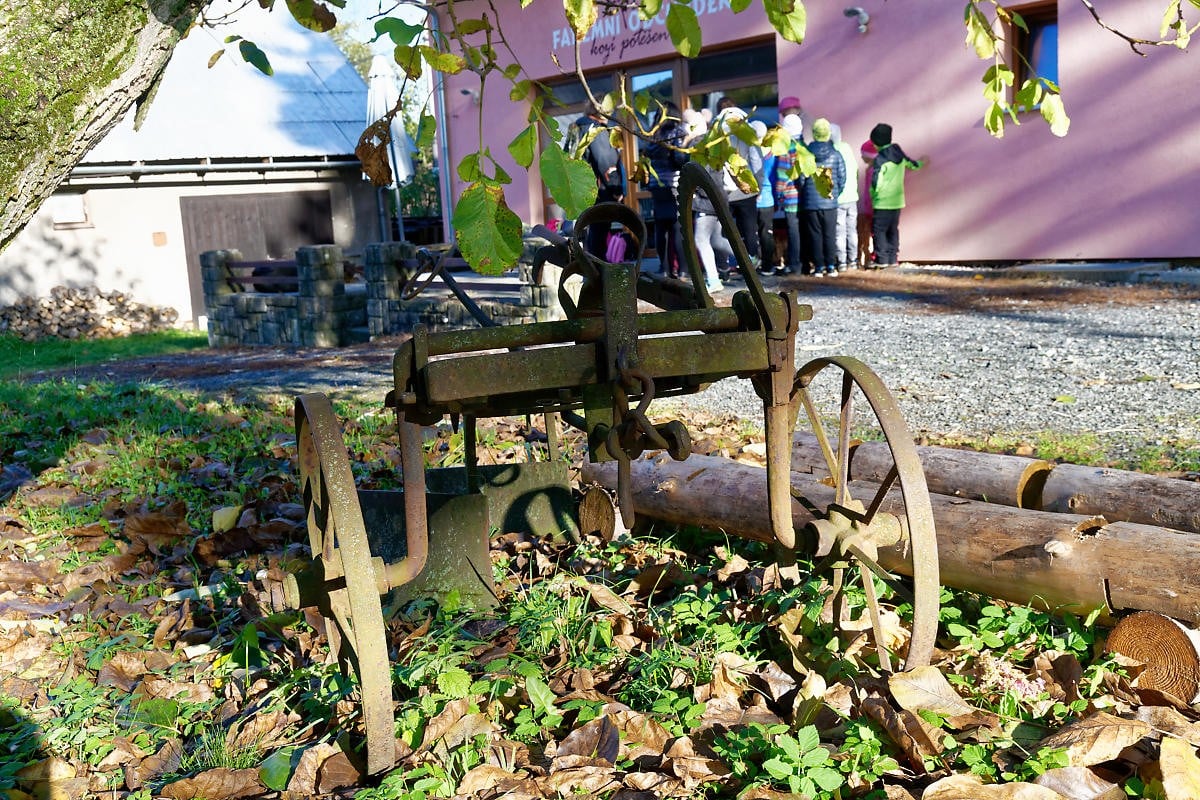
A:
(314, 105)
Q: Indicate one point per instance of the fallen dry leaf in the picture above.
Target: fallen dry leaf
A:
(1097, 738)
(1079, 783)
(691, 764)
(597, 739)
(926, 689)
(165, 761)
(488, 780)
(971, 787)
(590, 781)
(1166, 720)
(215, 784)
(1180, 769)
(336, 772)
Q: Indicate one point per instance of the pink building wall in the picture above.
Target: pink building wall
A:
(1119, 186)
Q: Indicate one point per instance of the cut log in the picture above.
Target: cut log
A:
(1124, 495)
(1065, 562)
(1028, 483)
(1167, 648)
(990, 477)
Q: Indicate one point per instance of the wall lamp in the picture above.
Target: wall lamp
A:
(859, 14)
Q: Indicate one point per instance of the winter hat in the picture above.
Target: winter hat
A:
(881, 135)
(821, 131)
(793, 125)
(760, 130)
(868, 151)
(789, 103)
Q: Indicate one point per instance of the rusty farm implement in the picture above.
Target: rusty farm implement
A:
(599, 370)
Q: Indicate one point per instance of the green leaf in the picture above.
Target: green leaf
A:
(1065, 399)
(581, 16)
(313, 15)
(788, 17)
(808, 738)
(471, 25)
(449, 63)
(255, 57)
(489, 233)
(777, 769)
(738, 6)
(523, 147)
(399, 31)
(277, 769)
(684, 29)
(454, 682)
(1055, 113)
(649, 9)
(828, 779)
(543, 699)
(468, 169)
(214, 58)
(993, 120)
(426, 130)
(511, 71)
(570, 181)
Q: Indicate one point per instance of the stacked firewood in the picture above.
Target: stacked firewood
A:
(82, 314)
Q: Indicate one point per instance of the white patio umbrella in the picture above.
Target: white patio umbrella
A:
(383, 91)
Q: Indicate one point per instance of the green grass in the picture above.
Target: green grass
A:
(19, 358)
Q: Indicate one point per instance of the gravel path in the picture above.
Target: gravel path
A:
(964, 356)
(1127, 373)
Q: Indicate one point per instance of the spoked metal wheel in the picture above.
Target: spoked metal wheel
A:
(884, 530)
(345, 585)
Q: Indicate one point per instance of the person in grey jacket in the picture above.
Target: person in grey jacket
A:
(820, 212)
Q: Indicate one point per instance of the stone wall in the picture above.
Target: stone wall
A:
(327, 312)
(386, 269)
(322, 312)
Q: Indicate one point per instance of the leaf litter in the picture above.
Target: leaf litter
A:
(145, 650)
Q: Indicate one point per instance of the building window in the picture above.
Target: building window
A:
(1036, 49)
(68, 211)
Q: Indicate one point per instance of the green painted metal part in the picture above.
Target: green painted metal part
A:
(458, 564)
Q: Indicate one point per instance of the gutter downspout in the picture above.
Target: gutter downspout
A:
(444, 169)
(134, 170)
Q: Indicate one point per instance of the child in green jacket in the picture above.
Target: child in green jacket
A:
(887, 194)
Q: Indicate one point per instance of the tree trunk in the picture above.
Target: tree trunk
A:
(68, 74)
(1057, 561)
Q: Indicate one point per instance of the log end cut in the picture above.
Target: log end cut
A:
(1166, 647)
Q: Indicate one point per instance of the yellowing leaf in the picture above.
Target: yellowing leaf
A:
(449, 63)
(1055, 113)
(1097, 738)
(225, 518)
(312, 14)
(581, 15)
